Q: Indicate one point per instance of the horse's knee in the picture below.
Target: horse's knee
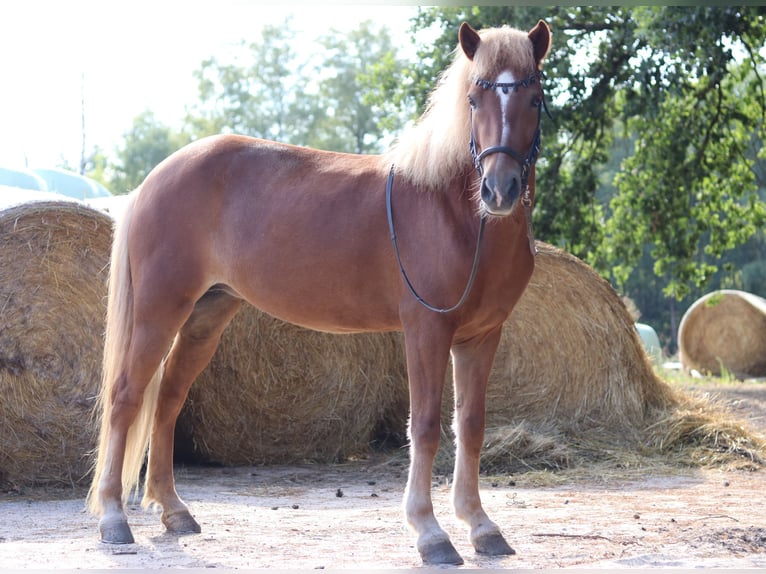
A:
(425, 433)
(469, 429)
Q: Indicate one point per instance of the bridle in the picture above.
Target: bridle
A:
(528, 161)
(534, 150)
(526, 168)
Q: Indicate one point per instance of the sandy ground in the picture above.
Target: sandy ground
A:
(349, 517)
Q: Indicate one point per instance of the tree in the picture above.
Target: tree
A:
(320, 100)
(261, 92)
(353, 118)
(145, 145)
(686, 84)
(689, 188)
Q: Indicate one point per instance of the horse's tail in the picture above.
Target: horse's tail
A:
(119, 330)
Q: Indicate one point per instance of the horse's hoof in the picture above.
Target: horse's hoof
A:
(116, 532)
(440, 553)
(493, 544)
(181, 523)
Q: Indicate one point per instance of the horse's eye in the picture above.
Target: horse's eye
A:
(537, 102)
(472, 103)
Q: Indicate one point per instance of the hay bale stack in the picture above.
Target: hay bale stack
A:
(278, 393)
(725, 330)
(53, 268)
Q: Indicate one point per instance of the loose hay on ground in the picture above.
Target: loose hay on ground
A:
(725, 331)
(53, 265)
(702, 431)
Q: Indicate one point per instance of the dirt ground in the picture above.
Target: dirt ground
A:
(349, 517)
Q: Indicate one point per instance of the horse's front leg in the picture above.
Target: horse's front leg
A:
(472, 362)
(427, 351)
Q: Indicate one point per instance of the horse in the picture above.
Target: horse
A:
(340, 243)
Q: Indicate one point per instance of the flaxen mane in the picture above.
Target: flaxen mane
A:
(435, 150)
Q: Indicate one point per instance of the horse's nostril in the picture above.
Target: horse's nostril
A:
(513, 189)
(486, 191)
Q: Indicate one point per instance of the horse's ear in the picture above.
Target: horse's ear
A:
(540, 36)
(469, 40)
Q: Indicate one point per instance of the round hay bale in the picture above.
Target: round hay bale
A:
(278, 393)
(570, 353)
(572, 384)
(570, 361)
(53, 268)
(725, 331)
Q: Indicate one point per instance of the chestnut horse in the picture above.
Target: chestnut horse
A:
(304, 235)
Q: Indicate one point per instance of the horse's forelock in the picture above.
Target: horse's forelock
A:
(504, 49)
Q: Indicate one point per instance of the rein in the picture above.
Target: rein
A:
(474, 268)
(526, 200)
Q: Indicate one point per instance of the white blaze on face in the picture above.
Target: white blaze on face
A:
(504, 78)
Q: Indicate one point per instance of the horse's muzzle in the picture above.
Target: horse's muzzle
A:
(499, 195)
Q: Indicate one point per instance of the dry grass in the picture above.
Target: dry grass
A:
(570, 352)
(53, 259)
(725, 331)
(701, 431)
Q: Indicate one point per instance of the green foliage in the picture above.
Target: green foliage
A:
(686, 189)
(358, 66)
(677, 93)
(272, 92)
(260, 92)
(689, 189)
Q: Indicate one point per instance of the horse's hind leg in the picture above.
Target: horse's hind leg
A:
(128, 399)
(192, 350)
(472, 362)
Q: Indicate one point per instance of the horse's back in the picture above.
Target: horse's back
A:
(298, 232)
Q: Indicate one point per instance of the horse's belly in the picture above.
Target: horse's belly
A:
(324, 300)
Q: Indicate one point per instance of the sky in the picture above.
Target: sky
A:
(125, 57)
